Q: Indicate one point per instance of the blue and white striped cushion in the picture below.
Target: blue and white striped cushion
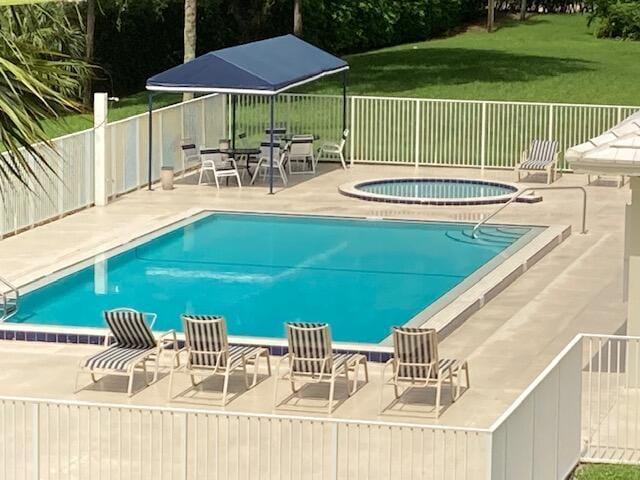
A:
(130, 329)
(115, 358)
(541, 154)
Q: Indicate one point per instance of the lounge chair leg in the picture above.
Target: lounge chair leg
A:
(200, 177)
(332, 388)
(193, 380)
(344, 164)
(244, 372)
(225, 387)
(93, 378)
(171, 384)
(438, 392)
(130, 386)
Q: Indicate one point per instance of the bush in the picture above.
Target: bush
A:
(617, 19)
(623, 21)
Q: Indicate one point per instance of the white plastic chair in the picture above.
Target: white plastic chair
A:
(222, 166)
(264, 163)
(301, 151)
(332, 150)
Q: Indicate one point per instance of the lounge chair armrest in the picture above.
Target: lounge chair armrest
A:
(168, 338)
(389, 363)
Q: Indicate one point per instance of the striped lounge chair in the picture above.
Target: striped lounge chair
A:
(415, 364)
(541, 156)
(134, 346)
(311, 359)
(208, 353)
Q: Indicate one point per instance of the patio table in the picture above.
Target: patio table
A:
(246, 152)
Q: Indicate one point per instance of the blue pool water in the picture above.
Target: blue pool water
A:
(259, 271)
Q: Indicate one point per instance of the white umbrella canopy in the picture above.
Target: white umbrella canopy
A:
(615, 152)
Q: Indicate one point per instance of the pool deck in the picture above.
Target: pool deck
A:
(577, 287)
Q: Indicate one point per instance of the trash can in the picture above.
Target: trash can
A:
(166, 178)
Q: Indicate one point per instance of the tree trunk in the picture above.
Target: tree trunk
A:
(491, 7)
(297, 18)
(523, 10)
(88, 54)
(189, 36)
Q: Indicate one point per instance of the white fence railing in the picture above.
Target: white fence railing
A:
(383, 130)
(538, 437)
(202, 120)
(50, 439)
(416, 131)
(66, 187)
(584, 406)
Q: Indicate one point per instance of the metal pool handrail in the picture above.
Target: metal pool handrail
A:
(528, 189)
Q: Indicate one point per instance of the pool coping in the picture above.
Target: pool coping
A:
(445, 320)
(351, 189)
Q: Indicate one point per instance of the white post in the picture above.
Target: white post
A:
(632, 254)
(417, 133)
(100, 110)
(483, 138)
(352, 130)
(633, 251)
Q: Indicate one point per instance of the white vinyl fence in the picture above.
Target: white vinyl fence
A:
(479, 134)
(585, 406)
(68, 186)
(49, 439)
(201, 120)
(415, 131)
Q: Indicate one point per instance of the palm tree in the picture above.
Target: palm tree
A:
(40, 77)
(189, 35)
(297, 18)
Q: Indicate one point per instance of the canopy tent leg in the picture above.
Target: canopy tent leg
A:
(150, 108)
(271, 114)
(234, 99)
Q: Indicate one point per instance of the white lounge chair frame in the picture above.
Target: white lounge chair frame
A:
(541, 156)
(132, 331)
(221, 167)
(332, 150)
(415, 364)
(208, 353)
(311, 360)
(279, 160)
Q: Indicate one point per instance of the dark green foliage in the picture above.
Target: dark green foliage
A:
(135, 39)
(617, 18)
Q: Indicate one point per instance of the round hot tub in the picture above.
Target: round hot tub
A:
(432, 191)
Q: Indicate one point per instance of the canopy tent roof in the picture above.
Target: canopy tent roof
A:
(615, 152)
(265, 67)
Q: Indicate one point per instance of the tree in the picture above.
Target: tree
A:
(297, 18)
(523, 10)
(189, 35)
(41, 77)
(90, 29)
(491, 12)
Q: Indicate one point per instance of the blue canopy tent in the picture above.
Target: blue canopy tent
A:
(266, 67)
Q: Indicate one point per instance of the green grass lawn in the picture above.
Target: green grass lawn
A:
(548, 58)
(607, 472)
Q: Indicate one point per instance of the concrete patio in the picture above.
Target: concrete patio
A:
(575, 288)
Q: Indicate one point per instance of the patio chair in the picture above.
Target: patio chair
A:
(208, 353)
(301, 151)
(311, 359)
(220, 165)
(330, 151)
(415, 364)
(190, 151)
(134, 346)
(279, 160)
(541, 156)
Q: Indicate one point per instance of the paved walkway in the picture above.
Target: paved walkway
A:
(575, 288)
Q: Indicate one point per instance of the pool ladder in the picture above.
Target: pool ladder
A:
(9, 298)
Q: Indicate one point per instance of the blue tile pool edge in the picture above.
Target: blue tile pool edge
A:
(97, 336)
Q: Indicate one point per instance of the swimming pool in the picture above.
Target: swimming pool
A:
(361, 276)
